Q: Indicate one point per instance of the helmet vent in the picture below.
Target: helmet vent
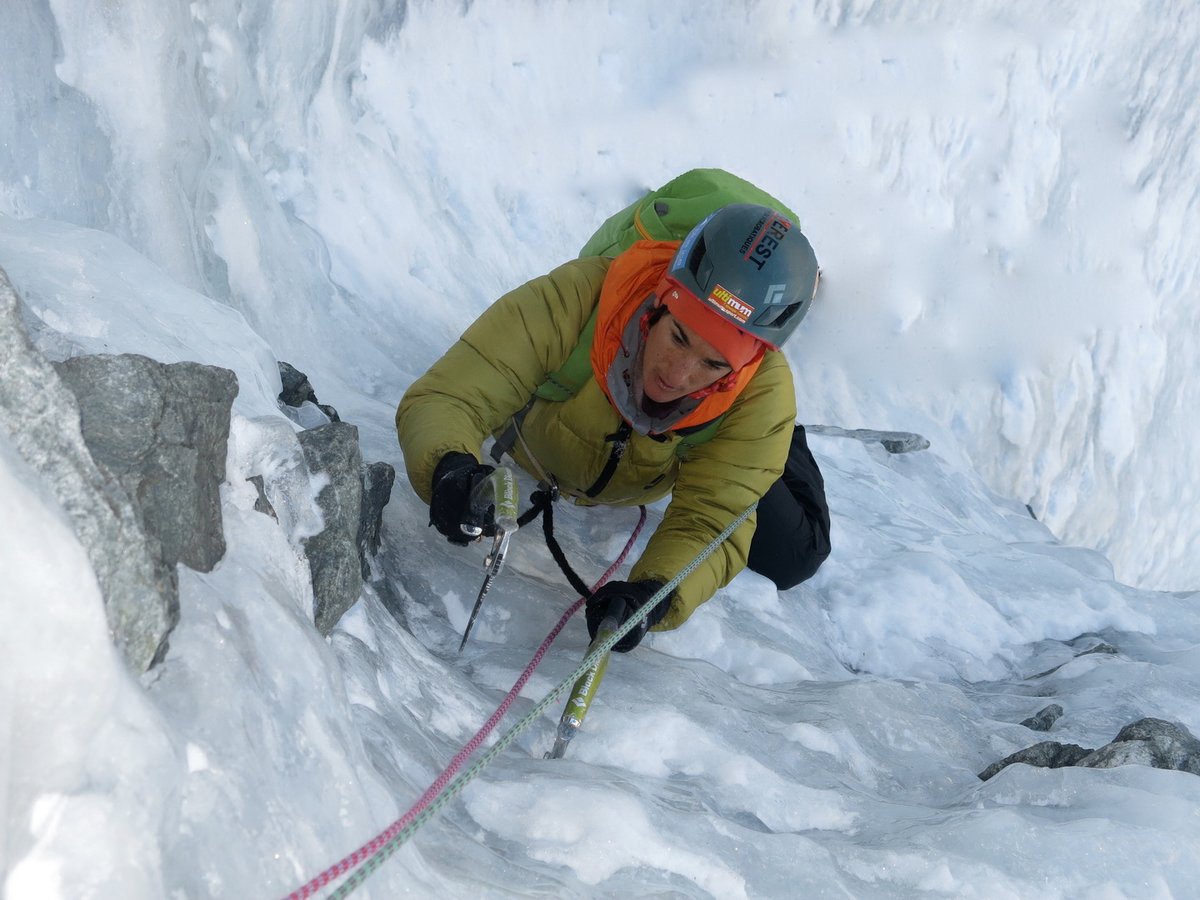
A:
(698, 252)
(781, 318)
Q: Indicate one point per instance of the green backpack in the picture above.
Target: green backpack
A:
(667, 214)
(677, 207)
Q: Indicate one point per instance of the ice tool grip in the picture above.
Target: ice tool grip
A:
(492, 508)
(504, 493)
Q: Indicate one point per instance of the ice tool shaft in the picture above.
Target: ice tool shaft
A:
(498, 494)
(584, 689)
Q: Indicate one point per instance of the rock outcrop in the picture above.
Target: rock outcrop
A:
(298, 392)
(134, 452)
(1047, 755)
(162, 431)
(351, 505)
(136, 472)
(377, 481)
(332, 450)
(1045, 718)
(1147, 742)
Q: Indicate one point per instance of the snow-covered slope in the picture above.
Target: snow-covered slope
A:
(1003, 197)
(1004, 203)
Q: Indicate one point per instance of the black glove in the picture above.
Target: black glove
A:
(450, 505)
(627, 597)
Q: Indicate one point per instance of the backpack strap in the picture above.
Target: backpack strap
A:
(697, 434)
(512, 431)
(560, 385)
(565, 382)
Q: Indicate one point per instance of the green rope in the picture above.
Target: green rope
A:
(455, 787)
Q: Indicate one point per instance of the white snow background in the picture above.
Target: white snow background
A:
(1005, 200)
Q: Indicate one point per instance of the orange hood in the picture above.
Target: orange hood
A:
(631, 279)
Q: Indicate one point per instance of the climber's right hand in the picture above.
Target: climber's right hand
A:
(450, 511)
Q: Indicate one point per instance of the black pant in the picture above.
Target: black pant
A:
(792, 538)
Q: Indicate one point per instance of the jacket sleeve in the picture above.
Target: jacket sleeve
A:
(493, 369)
(717, 481)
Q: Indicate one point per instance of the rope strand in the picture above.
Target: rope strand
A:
(456, 786)
(556, 551)
(414, 816)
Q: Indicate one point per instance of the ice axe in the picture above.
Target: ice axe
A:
(580, 698)
(497, 493)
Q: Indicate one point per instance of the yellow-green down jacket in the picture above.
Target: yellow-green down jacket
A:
(492, 371)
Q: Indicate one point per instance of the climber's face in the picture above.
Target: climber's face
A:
(677, 361)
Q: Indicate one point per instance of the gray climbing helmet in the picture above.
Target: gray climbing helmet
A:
(751, 265)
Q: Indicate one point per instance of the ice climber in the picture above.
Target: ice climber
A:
(685, 333)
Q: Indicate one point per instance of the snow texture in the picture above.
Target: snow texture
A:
(1005, 202)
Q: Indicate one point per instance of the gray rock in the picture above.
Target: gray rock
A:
(41, 416)
(297, 390)
(351, 505)
(1047, 754)
(1119, 753)
(1045, 719)
(262, 503)
(162, 431)
(296, 387)
(377, 481)
(332, 554)
(1146, 742)
(1152, 742)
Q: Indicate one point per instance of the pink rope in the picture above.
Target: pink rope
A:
(369, 849)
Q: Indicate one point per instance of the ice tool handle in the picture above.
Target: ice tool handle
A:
(496, 494)
(584, 689)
